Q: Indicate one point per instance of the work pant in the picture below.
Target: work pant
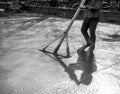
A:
(91, 24)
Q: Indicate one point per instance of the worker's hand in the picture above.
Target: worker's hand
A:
(89, 7)
(82, 5)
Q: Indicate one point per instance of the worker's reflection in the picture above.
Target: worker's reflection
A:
(86, 63)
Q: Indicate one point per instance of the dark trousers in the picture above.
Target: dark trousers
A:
(91, 24)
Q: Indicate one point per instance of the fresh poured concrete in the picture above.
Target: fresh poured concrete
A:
(26, 70)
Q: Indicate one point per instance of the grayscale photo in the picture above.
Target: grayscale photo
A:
(59, 46)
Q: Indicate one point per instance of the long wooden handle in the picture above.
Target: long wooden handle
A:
(67, 47)
(75, 16)
(68, 28)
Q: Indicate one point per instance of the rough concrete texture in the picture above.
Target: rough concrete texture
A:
(26, 70)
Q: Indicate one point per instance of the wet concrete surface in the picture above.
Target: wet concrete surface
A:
(26, 70)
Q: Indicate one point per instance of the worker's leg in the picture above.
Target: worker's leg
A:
(84, 29)
(92, 28)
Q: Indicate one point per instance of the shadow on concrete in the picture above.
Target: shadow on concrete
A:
(59, 58)
(70, 72)
(86, 63)
(112, 37)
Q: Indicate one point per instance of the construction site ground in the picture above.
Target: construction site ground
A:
(26, 70)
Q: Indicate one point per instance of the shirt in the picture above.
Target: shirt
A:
(93, 11)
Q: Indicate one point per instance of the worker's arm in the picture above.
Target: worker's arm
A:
(89, 7)
(97, 6)
(86, 6)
